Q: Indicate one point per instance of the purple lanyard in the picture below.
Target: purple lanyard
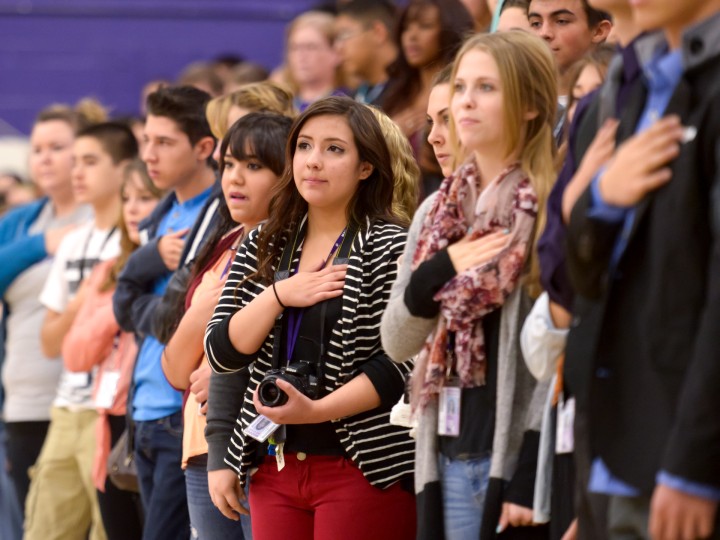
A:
(295, 314)
(229, 262)
(234, 250)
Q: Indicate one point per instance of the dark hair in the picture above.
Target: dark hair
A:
(594, 16)
(228, 60)
(184, 105)
(368, 11)
(116, 138)
(258, 135)
(522, 4)
(372, 200)
(456, 24)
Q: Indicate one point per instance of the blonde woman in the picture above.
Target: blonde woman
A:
(463, 290)
(311, 63)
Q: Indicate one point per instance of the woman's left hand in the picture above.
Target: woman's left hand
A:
(299, 408)
(514, 515)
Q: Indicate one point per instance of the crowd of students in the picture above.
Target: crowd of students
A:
(451, 274)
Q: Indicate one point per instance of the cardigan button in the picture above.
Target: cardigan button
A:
(696, 45)
(301, 456)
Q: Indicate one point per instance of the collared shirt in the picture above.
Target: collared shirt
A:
(662, 76)
(622, 76)
(154, 398)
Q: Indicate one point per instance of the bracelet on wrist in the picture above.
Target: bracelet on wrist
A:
(278, 297)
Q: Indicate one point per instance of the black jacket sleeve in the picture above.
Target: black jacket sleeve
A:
(589, 250)
(133, 301)
(427, 279)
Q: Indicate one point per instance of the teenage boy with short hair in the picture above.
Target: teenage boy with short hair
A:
(647, 229)
(177, 151)
(571, 29)
(62, 502)
(365, 41)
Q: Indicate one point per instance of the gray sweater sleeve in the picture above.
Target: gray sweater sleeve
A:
(227, 391)
(402, 334)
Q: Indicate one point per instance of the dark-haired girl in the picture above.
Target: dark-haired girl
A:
(251, 162)
(430, 33)
(335, 467)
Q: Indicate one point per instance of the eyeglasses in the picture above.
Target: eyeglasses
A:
(348, 34)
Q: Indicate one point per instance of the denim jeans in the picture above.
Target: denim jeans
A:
(464, 486)
(206, 521)
(158, 453)
(10, 516)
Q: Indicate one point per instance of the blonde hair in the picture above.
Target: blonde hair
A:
(406, 172)
(86, 112)
(262, 96)
(322, 22)
(529, 85)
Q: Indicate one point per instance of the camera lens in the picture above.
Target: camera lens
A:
(270, 395)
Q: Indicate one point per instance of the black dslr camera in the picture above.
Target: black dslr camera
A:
(302, 375)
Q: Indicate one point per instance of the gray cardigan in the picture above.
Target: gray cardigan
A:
(519, 400)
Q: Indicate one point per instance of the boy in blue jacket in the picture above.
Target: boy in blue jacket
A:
(178, 149)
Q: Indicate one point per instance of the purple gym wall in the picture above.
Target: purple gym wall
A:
(61, 50)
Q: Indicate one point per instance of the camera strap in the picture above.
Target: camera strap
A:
(342, 246)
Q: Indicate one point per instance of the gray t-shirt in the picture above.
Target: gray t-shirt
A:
(30, 379)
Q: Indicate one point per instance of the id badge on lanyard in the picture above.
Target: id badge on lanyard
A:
(449, 401)
(109, 379)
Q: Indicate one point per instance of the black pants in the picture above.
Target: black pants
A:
(121, 510)
(24, 440)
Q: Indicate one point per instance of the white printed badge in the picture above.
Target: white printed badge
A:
(77, 379)
(107, 389)
(565, 438)
(261, 428)
(449, 411)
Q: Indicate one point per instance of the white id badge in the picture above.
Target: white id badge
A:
(449, 411)
(77, 380)
(261, 428)
(565, 438)
(107, 389)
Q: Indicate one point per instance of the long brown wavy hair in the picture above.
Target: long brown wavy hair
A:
(372, 200)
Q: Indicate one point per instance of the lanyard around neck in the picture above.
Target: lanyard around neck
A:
(295, 314)
(83, 260)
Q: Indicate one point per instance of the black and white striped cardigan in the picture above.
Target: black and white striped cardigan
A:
(383, 452)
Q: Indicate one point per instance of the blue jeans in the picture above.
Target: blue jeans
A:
(206, 521)
(10, 516)
(464, 486)
(158, 453)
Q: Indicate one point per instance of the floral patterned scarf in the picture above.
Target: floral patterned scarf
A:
(507, 203)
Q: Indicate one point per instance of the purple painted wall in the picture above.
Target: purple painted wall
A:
(62, 50)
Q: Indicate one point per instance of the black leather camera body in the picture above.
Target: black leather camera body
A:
(302, 375)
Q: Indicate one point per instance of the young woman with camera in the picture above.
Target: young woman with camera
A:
(306, 292)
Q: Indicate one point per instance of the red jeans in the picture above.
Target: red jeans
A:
(326, 498)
